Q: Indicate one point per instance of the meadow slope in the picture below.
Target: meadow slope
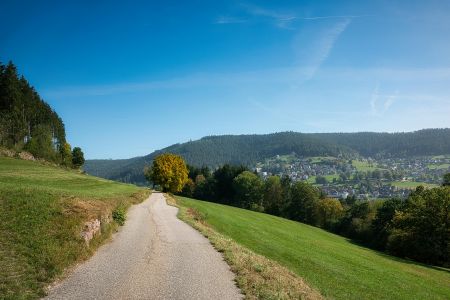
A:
(335, 266)
(42, 212)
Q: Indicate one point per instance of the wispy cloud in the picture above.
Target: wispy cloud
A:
(282, 20)
(314, 49)
(374, 99)
(334, 17)
(282, 77)
(386, 104)
(389, 101)
(229, 20)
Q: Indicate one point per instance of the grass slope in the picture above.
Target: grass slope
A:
(438, 166)
(412, 184)
(42, 212)
(332, 264)
(364, 166)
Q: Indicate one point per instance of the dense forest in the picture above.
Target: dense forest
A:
(416, 227)
(27, 123)
(214, 151)
(400, 144)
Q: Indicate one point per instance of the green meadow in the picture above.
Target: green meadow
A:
(337, 267)
(412, 184)
(438, 166)
(364, 166)
(329, 178)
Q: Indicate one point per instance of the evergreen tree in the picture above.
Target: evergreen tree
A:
(24, 116)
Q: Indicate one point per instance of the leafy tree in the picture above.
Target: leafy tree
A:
(321, 180)
(286, 183)
(349, 201)
(382, 224)
(200, 179)
(249, 191)
(422, 230)
(66, 155)
(170, 172)
(194, 172)
(328, 212)
(273, 200)
(205, 188)
(40, 145)
(77, 157)
(357, 221)
(189, 188)
(223, 179)
(446, 180)
(303, 201)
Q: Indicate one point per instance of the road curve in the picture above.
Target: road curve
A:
(154, 256)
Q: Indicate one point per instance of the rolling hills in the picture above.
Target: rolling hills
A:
(333, 265)
(247, 150)
(43, 209)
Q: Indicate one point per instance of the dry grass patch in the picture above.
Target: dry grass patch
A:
(257, 276)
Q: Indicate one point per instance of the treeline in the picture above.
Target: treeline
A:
(417, 227)
(30, 124)
(399, 144)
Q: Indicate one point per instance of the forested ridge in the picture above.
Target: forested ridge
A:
(399, 144)
(214, 151)
(28, 123)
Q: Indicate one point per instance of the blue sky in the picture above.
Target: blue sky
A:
(131, 77)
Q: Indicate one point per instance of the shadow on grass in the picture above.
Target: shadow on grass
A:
(396, 258)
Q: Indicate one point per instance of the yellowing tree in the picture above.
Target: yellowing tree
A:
(328, 212)
(169, 171)
(66, 154)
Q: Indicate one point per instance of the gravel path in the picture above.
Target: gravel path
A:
(154, 256)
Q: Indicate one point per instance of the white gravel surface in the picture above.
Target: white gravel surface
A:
(154, 256)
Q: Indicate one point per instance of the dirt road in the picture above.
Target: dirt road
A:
(154, 256)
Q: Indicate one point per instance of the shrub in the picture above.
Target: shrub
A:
(120, 215)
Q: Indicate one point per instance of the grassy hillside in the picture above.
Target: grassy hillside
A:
(42, 212)
(332, 264)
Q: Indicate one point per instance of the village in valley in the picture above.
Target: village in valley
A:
(361, 178)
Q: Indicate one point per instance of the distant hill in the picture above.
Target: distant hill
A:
(247, 150)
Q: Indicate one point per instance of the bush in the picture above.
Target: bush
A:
(120, 215)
